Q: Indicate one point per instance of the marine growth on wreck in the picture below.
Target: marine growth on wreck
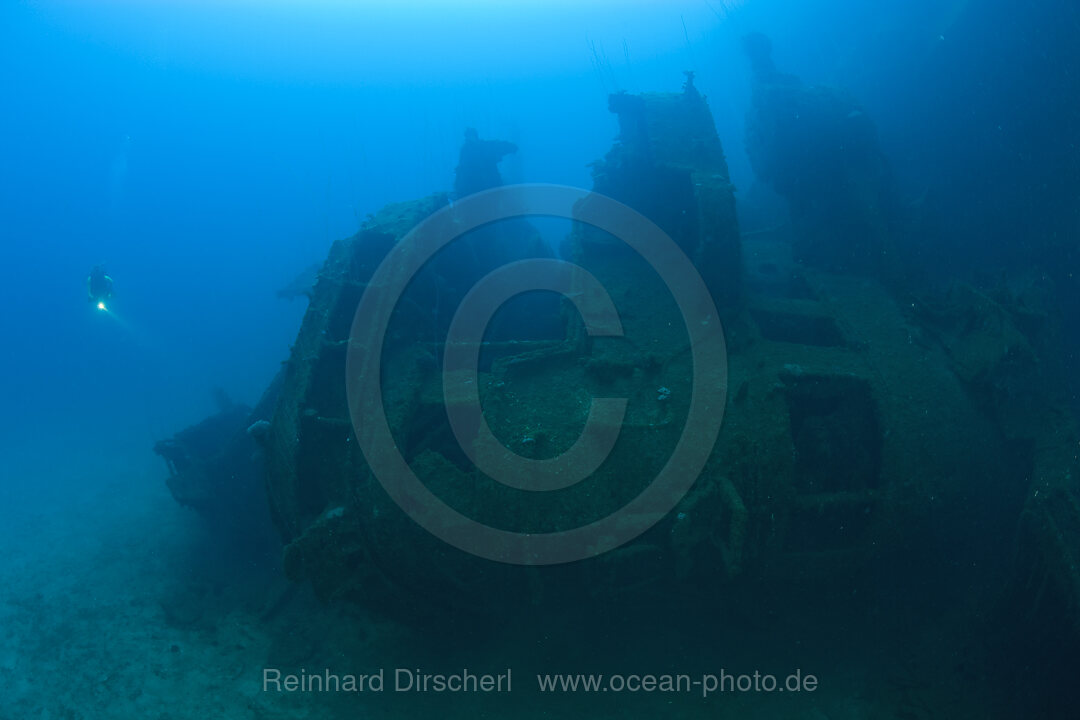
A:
(690, 359)
(846, 395)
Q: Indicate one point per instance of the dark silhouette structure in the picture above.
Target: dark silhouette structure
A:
(478, 164)
(818, 149)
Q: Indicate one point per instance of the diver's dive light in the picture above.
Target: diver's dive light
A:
(101, 306)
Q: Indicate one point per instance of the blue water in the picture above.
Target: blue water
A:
(206, 152)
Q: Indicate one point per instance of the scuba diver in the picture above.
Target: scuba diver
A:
(98, 286)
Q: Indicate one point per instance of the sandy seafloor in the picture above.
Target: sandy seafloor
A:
(117, 603)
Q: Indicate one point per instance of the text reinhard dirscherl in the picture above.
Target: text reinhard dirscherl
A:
(407, 680)
(400, 680)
